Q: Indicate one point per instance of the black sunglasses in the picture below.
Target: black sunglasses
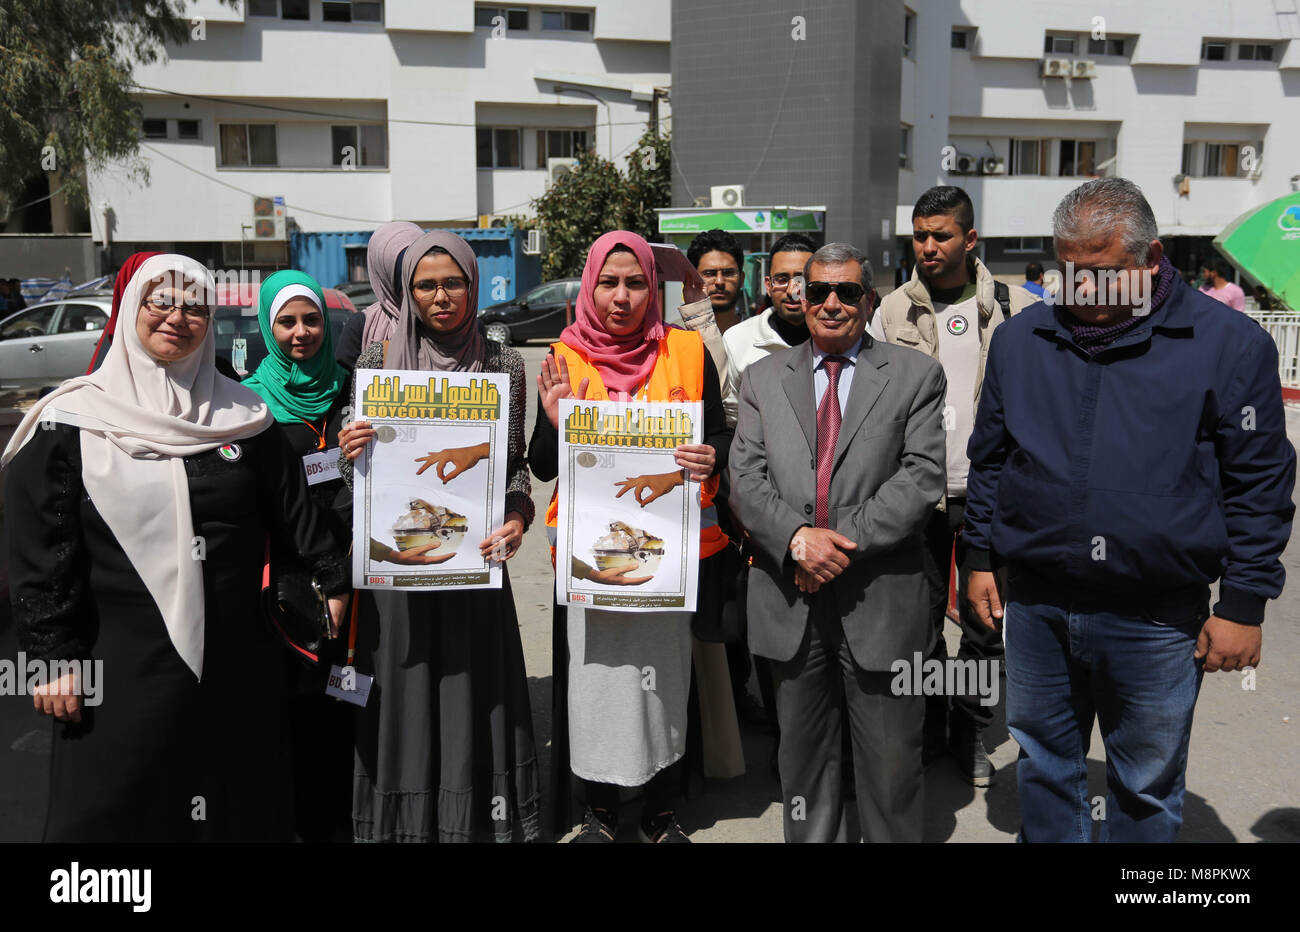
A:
(847, 292)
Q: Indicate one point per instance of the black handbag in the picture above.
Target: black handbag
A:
(297, 610)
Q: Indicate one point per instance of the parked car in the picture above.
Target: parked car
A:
(47, 343)
(239, 339)
(536, 315)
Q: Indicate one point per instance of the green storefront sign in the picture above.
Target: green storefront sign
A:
(743, 220)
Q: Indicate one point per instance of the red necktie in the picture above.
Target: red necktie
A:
(828, 433)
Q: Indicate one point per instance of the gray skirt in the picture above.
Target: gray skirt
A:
(629, 683)
(444, 749)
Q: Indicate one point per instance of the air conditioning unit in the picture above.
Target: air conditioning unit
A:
(1084, 69)
(1055, 68)
(534, 243)
(727, 195)
(993, 166)
(268, 218)
(557, 169)
(965, 164)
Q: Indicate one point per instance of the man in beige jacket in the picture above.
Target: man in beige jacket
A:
(949, 310)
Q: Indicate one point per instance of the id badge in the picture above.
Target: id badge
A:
(322, 466)
(346, 684)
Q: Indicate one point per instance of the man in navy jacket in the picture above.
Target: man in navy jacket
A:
(1129, 449)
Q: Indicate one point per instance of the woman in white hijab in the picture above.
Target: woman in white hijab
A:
(139, 500)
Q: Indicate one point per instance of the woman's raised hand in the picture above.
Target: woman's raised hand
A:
(553, 383)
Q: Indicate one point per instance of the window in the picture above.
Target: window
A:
(1214, 51)
(1106, 47)
(566, 21)
(187, 129)
(516, 19)
(905, 146)
(247, 144)
(1077, 158)
(1059, 45)
(1022, 244)
(33, 322)
(263, 8)
(1220, 160)
(961, 38)
(78, 318)
(1028, 157)
(909, 32)
(295, 9)
(559, 144)
(499, 148)
(370, 153)
(551, 293)
(153, 128)
(1247, 51)
(351, 11)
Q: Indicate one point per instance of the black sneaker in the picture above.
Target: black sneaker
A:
(663, 829)
(967, 747)
(599, 826)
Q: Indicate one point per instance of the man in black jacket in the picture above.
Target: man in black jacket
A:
(1129, 449)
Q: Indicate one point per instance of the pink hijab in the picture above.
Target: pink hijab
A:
(624, 362)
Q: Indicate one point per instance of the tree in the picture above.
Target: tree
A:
(65, 87)
(596, 197)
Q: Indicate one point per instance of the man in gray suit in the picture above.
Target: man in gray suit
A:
(837, 462)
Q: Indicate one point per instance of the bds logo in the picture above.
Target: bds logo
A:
(378, 581)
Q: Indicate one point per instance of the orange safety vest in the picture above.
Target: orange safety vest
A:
(678, 376)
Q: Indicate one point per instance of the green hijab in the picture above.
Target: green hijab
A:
(295, 390)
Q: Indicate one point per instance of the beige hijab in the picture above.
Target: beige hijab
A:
(138, 418)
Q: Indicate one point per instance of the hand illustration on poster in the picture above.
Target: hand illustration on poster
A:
(629, 520)
(433, 479)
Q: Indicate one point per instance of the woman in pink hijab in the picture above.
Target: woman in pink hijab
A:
(609, 731)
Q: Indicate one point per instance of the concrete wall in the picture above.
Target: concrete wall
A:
(798, 121)
(48, 255)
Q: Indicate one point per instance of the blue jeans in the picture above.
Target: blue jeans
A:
(1068, 661)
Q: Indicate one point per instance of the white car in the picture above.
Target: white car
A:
(50, 342)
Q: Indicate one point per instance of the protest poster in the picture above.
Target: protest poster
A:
(431, 485)
(628, 531)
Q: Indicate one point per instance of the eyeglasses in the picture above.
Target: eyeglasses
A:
(847, 292)
(729, 274)
(160, 308)
(454, 287)
(781, 279)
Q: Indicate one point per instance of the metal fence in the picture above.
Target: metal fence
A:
(1284, 328)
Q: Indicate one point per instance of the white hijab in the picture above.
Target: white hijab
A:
(138, 418)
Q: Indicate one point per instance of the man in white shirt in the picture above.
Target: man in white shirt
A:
(949, 310)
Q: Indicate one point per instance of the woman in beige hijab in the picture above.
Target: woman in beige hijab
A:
(139, 500)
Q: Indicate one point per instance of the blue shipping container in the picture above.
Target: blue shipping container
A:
(504, 271)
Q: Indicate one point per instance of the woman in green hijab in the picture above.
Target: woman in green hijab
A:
(306, 391)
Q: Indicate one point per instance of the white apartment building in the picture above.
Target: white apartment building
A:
(354, 113)
(1196, 101)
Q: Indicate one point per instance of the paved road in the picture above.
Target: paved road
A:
(1243, 778)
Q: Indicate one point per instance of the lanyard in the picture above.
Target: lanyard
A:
(320, 434)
